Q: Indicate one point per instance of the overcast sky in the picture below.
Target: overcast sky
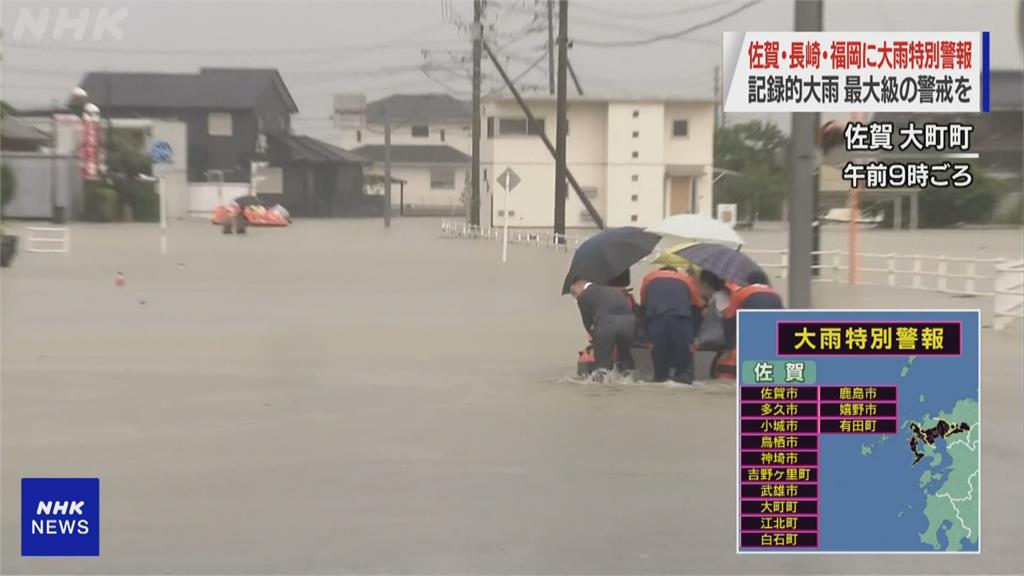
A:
(324, 47)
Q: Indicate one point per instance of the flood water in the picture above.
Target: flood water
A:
(334, 398)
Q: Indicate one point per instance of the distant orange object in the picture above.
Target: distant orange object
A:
(254, 216)
(119, 280)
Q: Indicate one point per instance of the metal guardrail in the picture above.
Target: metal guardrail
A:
(995, 278)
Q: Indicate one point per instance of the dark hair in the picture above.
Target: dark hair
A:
(758, 277)
(669, 269)
(712, 280)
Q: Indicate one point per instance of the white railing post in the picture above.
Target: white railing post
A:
(942, 273)
(836, 263)
(890, 266)
(917, 270)
(784, 263)
(1009, 293)
(969, 283)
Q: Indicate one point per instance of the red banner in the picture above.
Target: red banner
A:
(89, 150)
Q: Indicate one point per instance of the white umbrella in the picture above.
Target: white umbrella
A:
(698, 228)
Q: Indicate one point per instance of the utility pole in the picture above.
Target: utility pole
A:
(803, 164)
(387, 167)
(717, 87)
(474, 199)
(539, 131)
(561, 190)
(53, 165)
(551, 47)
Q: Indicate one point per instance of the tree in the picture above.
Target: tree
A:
(755, 150)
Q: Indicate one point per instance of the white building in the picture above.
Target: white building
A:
(638, 160)
(430, 143)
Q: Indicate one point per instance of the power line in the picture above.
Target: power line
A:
(392, 45)
(668, 35)
(619, 27)
(589, 7)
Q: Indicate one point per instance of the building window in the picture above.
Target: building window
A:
(636, 178)
(680, 128)
(219, 123)
(359, 135)
(442, 134)
(511, 213)
(636, 154)
(635, 198)
(518, 127)
(634, 218)
(589, 191)
(421, 131)
(636, 133)
(442, 178)
(636, 113)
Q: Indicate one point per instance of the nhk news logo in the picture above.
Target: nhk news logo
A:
(60, 517)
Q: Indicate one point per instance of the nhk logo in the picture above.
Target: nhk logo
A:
(60, 516)
(60, 509)
(66, 23)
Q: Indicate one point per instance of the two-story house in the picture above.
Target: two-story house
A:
(225, 111)
(430, 143)
(237, 120)
(637, 160)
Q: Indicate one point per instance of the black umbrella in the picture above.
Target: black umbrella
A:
(725, 262)
(608, 254)
(247, 200)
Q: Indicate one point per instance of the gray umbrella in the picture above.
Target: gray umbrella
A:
(726, 263)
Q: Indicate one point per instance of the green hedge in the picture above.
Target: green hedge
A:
(101, 204)
(8, 183)
(146, 203)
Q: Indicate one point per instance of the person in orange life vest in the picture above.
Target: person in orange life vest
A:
(608, 317)
(758, 294)
(671, 308)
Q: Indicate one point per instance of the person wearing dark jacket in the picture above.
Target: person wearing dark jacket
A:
(608, 317)
(671, 309)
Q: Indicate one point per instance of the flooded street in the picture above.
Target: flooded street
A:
(335, 398)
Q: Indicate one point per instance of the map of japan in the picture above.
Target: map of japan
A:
(858, 445)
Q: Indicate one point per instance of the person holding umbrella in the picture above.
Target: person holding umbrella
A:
(671, 308)
(608, 317)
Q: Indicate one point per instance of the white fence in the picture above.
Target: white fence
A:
(48, 239)
(1009, 289)
(540, 238)
(996, 278)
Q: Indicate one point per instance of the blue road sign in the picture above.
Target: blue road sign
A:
(161, 152)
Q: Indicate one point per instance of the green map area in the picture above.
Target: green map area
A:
(944, 446)
(952, 497)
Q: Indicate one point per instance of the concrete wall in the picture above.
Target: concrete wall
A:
(36, 174)
(204, 196)
(647, 120)
(174, 175)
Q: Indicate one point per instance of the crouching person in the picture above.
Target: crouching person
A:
(671, 309)
(608, 317)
